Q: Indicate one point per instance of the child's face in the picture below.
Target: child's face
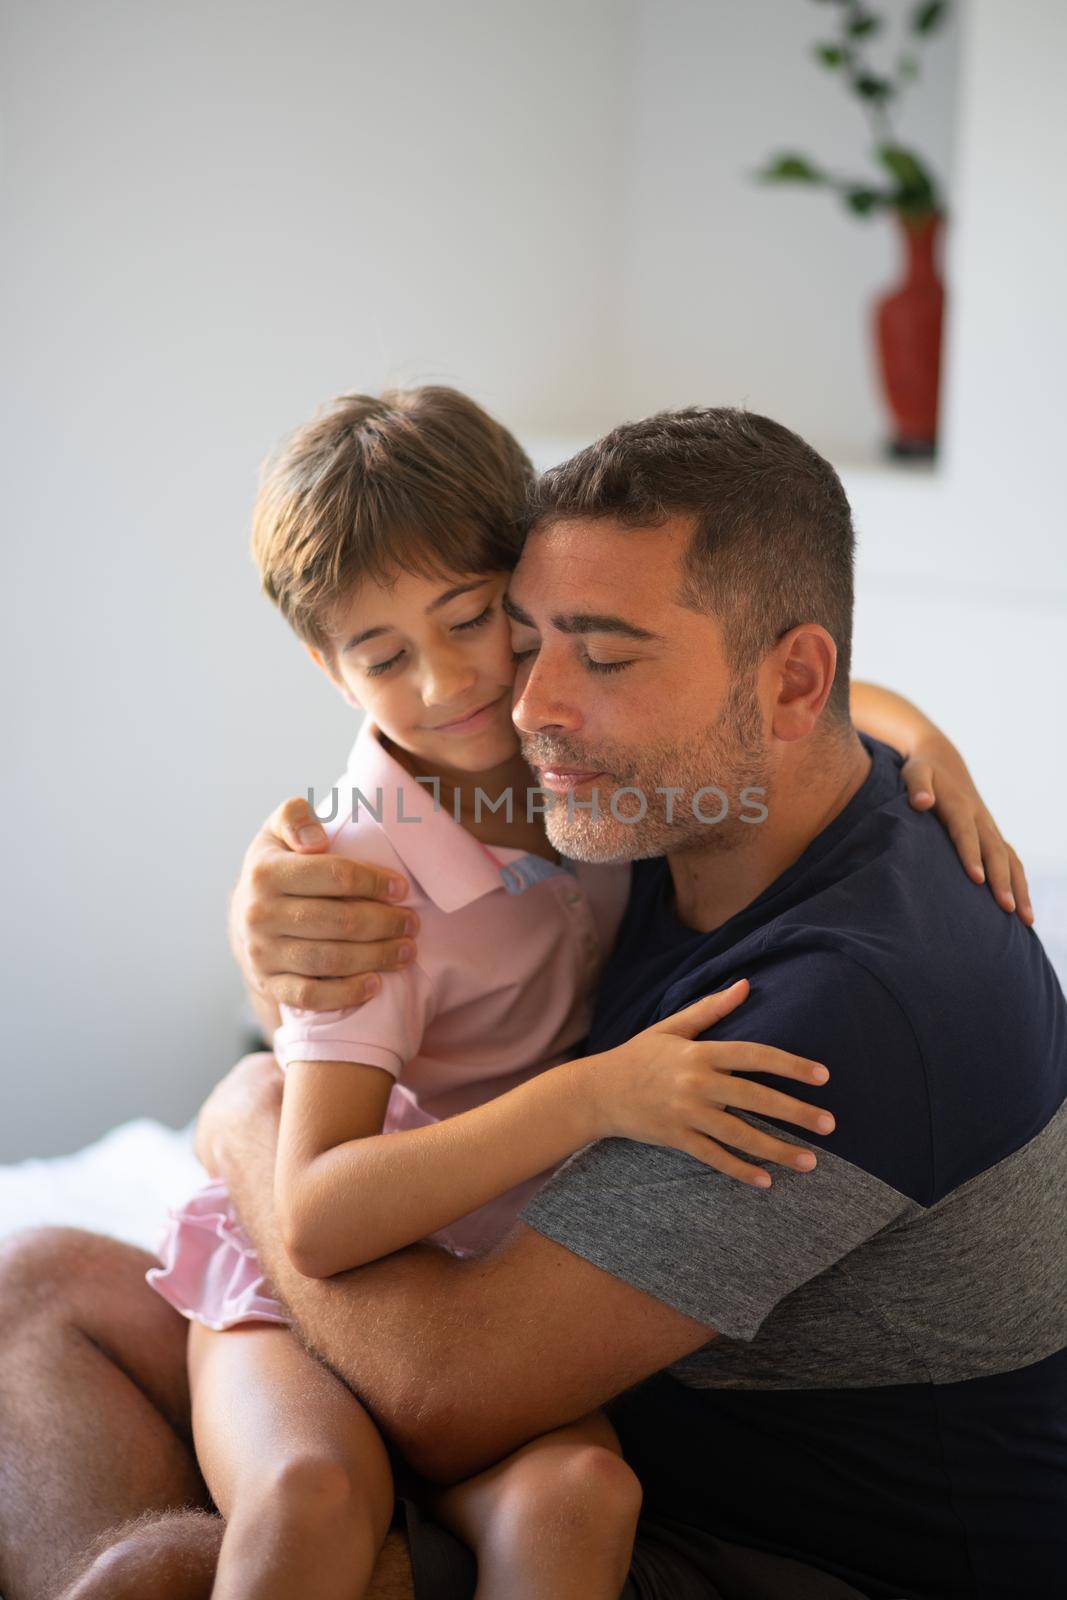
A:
(429, 659)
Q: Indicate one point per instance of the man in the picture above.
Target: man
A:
(867, 1363)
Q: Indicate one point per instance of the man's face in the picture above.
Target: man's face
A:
(620, 686)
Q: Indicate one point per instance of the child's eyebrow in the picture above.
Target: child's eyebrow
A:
(359, 638)
(434, 605)
(450, 594)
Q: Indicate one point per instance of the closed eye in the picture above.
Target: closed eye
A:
(475, 622)
(605, 666)
(587, 661)
(383, 666)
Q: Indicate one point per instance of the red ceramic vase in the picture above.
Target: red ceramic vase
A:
(908, 338)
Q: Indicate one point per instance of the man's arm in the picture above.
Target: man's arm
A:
(638, 1256)
(459, 1361)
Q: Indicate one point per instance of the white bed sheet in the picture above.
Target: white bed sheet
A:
(123, 1184)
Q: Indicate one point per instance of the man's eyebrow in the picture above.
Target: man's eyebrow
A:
(601, 622)
(434, 605)
(583, 622)
(516, 613)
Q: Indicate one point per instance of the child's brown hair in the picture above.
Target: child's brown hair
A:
(414, 480)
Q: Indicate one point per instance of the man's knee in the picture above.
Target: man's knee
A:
(37, 1265)
(72, 1275)
(173, 1552)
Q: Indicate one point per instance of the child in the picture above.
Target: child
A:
(385, 534)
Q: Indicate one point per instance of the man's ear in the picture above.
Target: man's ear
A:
(339, 683)
(803, 663)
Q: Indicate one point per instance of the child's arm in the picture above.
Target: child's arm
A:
(888, 716)
(348, 1194)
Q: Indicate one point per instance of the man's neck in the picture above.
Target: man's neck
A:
(712, 885)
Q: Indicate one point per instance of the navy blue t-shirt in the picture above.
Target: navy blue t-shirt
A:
(886, 1397)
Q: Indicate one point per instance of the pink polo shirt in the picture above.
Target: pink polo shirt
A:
(508, 956)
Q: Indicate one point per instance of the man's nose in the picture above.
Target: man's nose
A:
(543, 704)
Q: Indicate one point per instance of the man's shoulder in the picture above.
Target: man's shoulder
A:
(809, 979)
(816, 999)
(945, 1035)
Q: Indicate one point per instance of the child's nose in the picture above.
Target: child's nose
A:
(446, 682)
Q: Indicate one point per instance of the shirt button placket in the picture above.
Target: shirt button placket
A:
(589, 941)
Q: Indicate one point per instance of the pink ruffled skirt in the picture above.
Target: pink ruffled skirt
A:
(210, 1271)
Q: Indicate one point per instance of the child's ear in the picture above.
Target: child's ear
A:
(320, 661)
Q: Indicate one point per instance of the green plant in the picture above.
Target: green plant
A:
(905, 184)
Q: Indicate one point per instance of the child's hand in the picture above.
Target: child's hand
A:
(938, 780)
(665, 1086)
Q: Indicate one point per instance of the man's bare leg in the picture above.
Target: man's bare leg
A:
(96, 1452)
(94, 1403)
(160, 1557)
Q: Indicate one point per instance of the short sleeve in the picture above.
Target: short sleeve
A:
(721, 1251)
(386, 1031)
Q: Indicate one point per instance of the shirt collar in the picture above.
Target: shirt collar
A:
(449, 864)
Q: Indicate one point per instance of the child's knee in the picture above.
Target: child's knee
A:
(589, 1484)
(306, 1488)
(602, 1479)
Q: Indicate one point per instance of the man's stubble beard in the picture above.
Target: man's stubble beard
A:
(729, 755)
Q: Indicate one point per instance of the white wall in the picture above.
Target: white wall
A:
(1007, 410)
(216, 216)
(963, 577)
(743, 292)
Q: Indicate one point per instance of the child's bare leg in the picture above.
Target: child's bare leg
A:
(293, 1462)
(554, 1521)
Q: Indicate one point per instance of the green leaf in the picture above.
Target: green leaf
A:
(831, 55)
(864, 26)
(790, 168)
(903, 165)
(915, 186)
(873, 88)
(863, 201)
(928, 16)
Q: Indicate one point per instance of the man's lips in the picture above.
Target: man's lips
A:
(563, 780)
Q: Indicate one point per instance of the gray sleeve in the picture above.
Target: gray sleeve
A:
(718, 1250)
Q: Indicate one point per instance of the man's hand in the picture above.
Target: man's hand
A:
(306, 926)
(250, 1089)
